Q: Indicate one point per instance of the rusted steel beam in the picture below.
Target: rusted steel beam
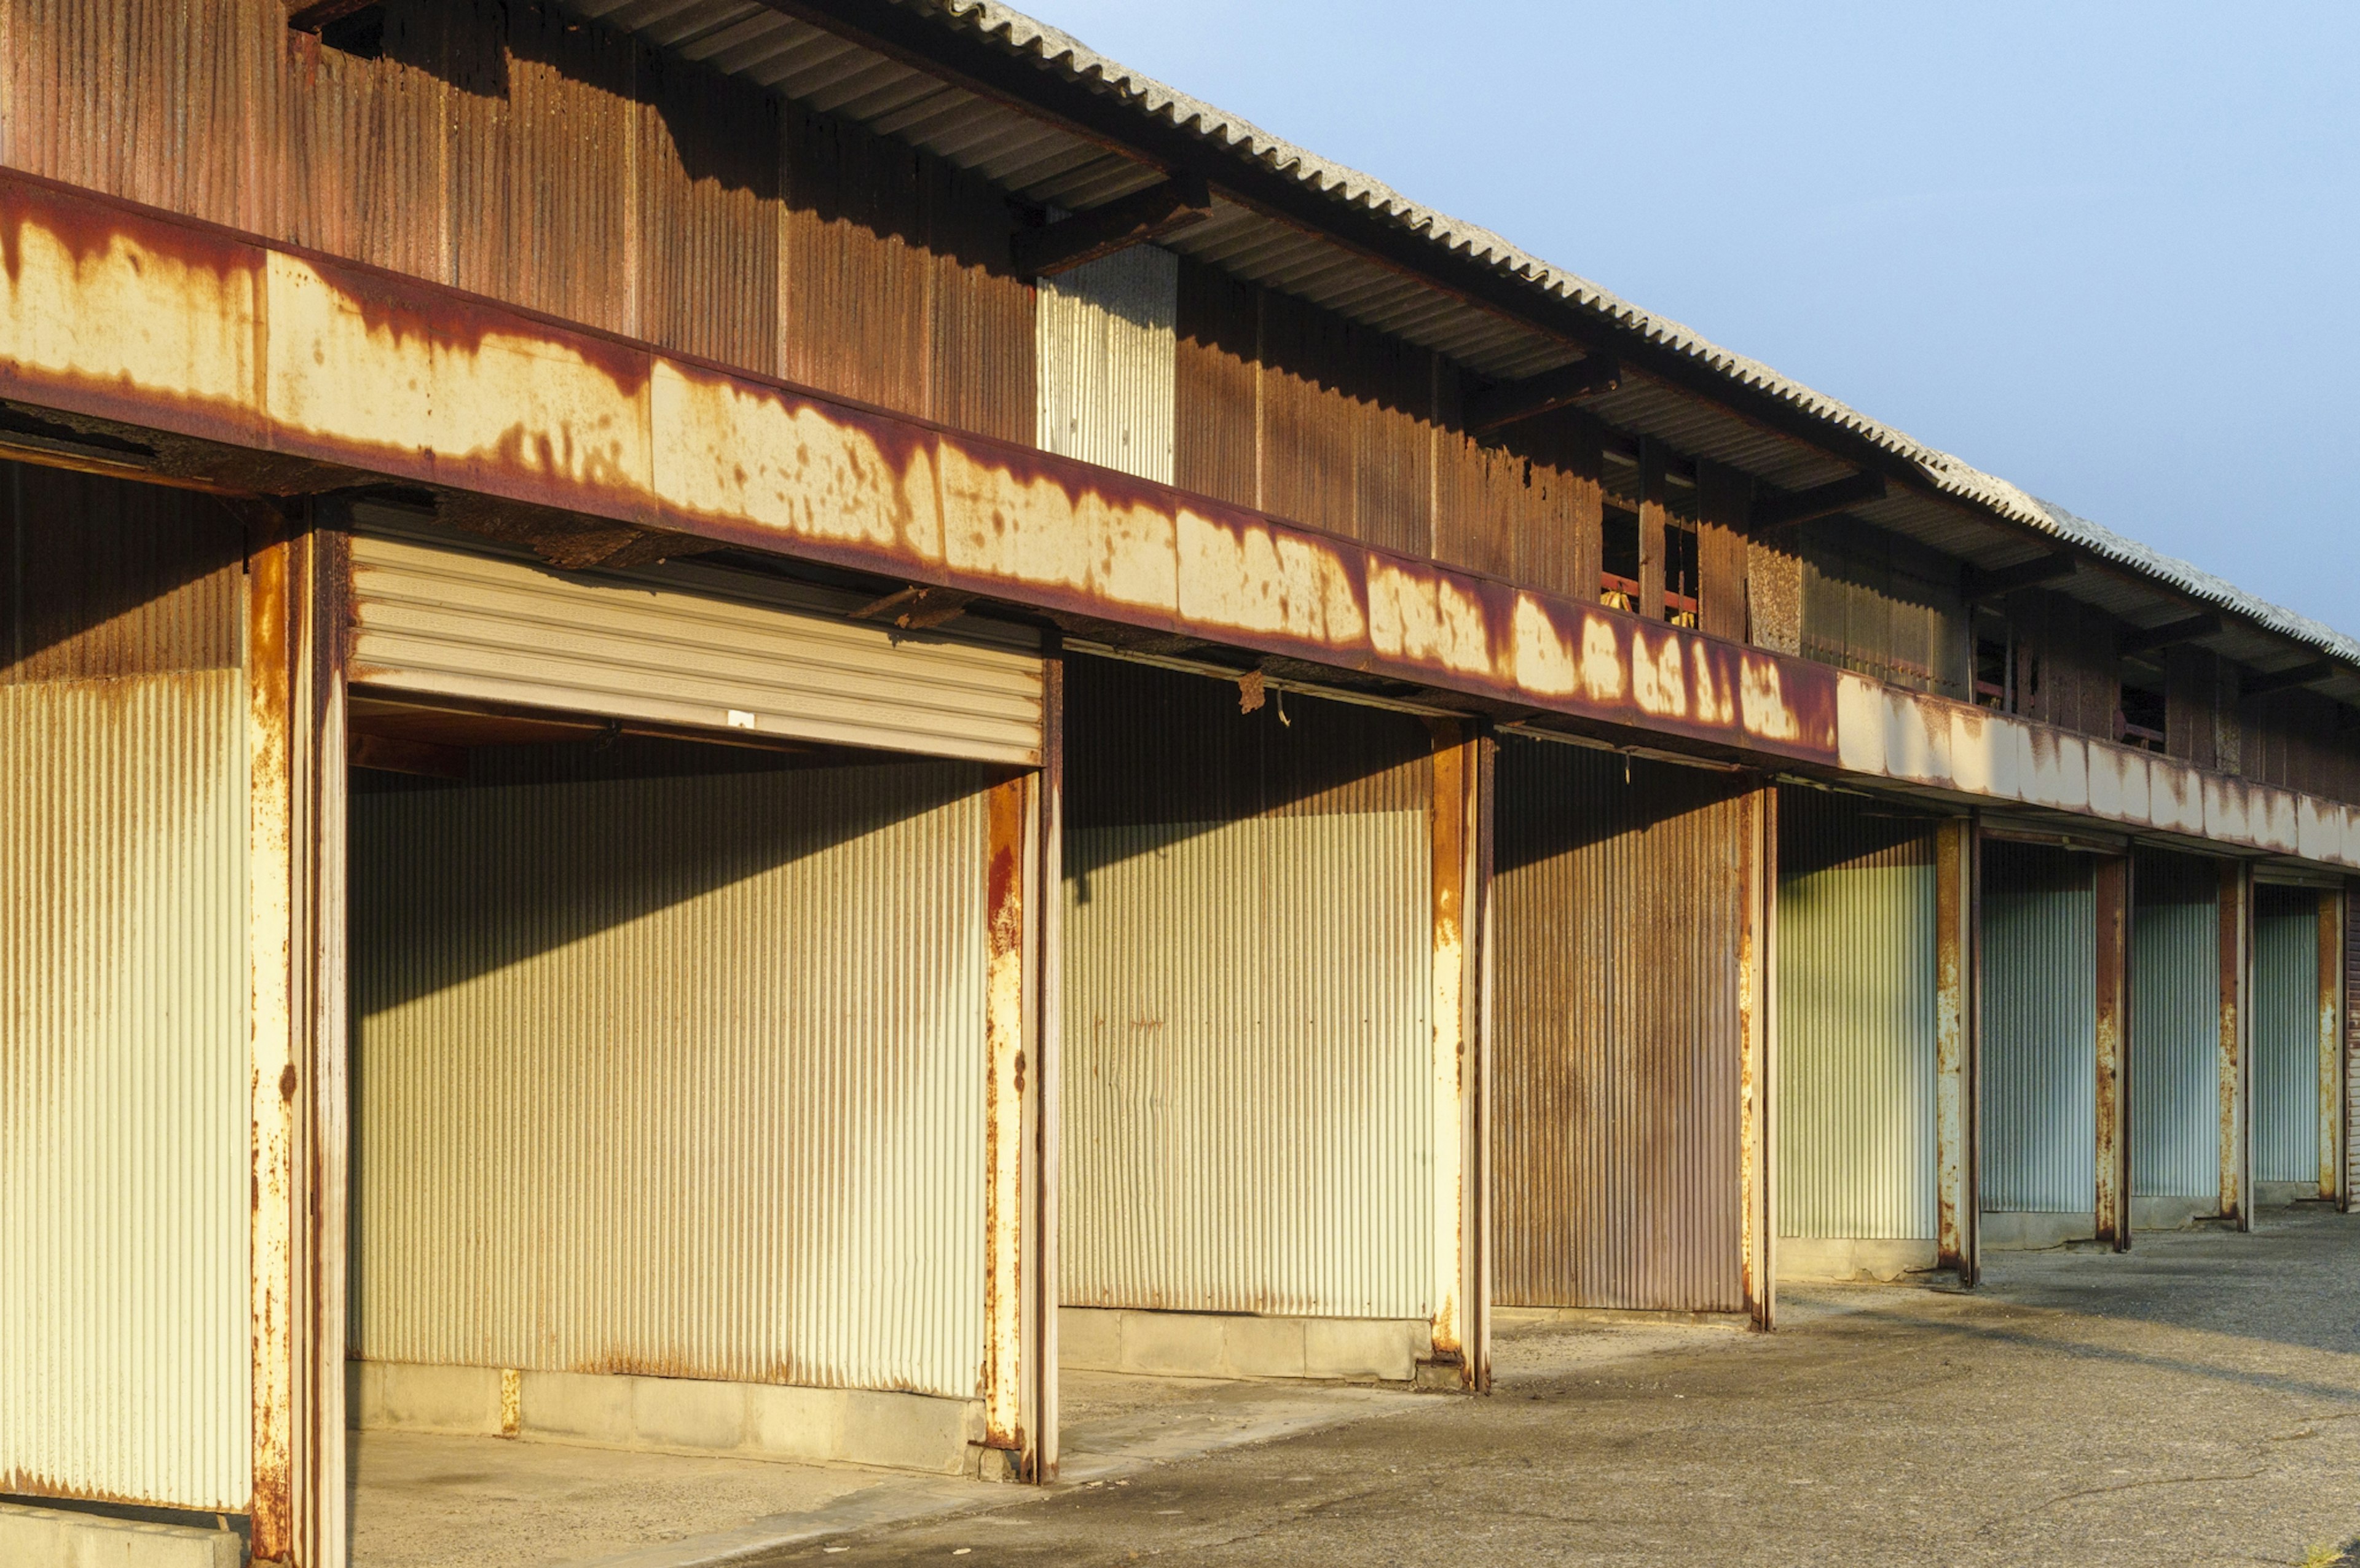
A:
(311, 15)
(1954, 1106)
(2236, 965)
(2112, 889)
(2148, 639)
(1774, 511)
(1512, 402)
(1459, 833)
(1040, 1455)
(1126, 220)
(1980, 585)
(1757, 881)
(1012, 815)
(2331, 1045)
(330, 364)
(2287, 680)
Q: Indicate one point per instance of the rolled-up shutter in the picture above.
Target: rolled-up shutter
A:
(686, 646)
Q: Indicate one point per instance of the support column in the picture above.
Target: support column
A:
(2331, 1045)
(2112, 879)
(1040, 1419)
(1757, 885)
(1954, 1012)
(2236, 966)
(1461, 839)
(1012, 1316)
(294, 659)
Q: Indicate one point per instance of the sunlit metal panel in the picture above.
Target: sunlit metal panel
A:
(1106, 353)
(2039, 1032)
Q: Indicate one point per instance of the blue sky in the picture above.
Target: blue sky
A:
(2111, 252)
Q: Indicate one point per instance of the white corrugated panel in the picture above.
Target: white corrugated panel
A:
(124, 1364)
(1856, 1023)
(1105, 337)
(1247, 1066)
(2039, 1032)
(691, 646)
(680, 1075)
(2176, 1028)
(2286, 1035)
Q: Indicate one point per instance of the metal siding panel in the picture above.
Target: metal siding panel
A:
(1615, 1149)
(1856, 1021)
(679, 1076)
(1248, 1113)
(687, 646)
(2286, 1035)
(2176, 1028)
(124, 1355)
(1106, 354)
(2351, 1044)
(2039, 1032)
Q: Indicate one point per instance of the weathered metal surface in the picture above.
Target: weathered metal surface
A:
(683, 1075)
(2039, 1032)
(688, 646)
(1954, 1023)
(2330, 1043)
(327, 361)
(123, 1357)
(1011, 815)
(2233, 1059)
(1460, 877)
(2285, 1078)
(1047, 1080)
(2175, 1027)
(1249, 1051)
(1886, 731)
(1757, 1034)
(1619, 1140)
(1859, 1021)
(2349, 1154)
(1106, 352)
(2111, 878)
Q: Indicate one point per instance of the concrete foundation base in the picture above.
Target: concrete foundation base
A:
(675, 1415)
(2278, 1194)
(58, 1538)
(2032, 1231)
(1616, 1317)
(1230, 1344)
(1828, 1259)
(2172, 1213)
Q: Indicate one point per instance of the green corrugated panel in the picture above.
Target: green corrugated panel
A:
(2176, 1028)
(2286, 1034)
(2039, 1032)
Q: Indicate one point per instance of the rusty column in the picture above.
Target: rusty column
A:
(2236, 962)
(1460, 835)
(1041, 1419)
(2348, 904)
(1757, 963)
(1010, 1011)
(2112, 879)
(1652, 526)
(1954, 1090)
(2331, 1045)
(295, 997)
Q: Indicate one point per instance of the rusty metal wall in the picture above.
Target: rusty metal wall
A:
(2286, 1034)
(1248, 1111)
(688, 646)
(2351, 1044)
(679, 1076)
(1106, 352)
(1856, 1021)
(124, 1367)
(2039, 1032)
(1615, 1141)
(2175, 1027)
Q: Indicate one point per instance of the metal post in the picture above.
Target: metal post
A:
(1041, 1421)
(2113, 891)
(1757, 961)
(1009, 1012)
(1954, 1106)
(1460, 835)
(2331, 1045)
(2236, 962)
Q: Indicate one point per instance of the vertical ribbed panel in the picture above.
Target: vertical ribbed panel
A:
(1105, 354)
(2039, 1032)
(2176, 1028)
(1856, 1021)
(1248, 1111)
(124, 1346)
(676, 1075)
(2351, 1044)
(1617, 919)
(2286, 1034)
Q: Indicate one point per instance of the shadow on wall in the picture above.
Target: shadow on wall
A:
(545, 845)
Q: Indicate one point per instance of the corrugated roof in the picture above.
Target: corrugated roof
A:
(1046, 163)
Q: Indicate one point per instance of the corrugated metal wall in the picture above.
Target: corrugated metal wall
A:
(1106, 355)
(680, 1075)
(1248, 1103)
(2351, 1044)
(2286, 1034)
(2039, 1032)
(1856, 1021)
(1615, 1144)
(2175, 1027)
(124, 1348)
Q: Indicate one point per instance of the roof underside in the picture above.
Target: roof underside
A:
(1961, 512)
